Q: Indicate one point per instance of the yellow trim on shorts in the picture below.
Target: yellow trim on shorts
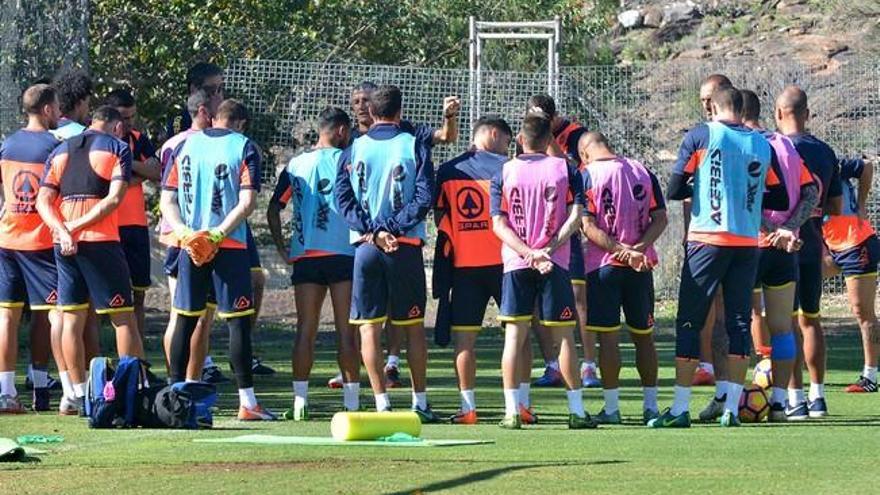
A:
(42, 307)
(600, 329)
(861, 275)
(795, 313)
(408, 323)
(11, 305)
(140, 288)
(809, 315)
(512, 319)
(757, 290)
(578, 281)
(236, 314)
(466, 328)
(211, 305)
(183, 312)
(256, 268)
(640, 331)
(368, 321)
(778, 287)
(73, 307)
(551, 323)
(113, 311)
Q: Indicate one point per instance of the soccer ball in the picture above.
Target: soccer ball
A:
(753, 404)
(763, 374)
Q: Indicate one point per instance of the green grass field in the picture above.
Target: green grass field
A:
(834, 455)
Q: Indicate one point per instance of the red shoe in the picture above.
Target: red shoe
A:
(862, 386)
(527, 415)
(703, 378)
(256, 414)
(465, 418)
(336, 381)
(392, 377)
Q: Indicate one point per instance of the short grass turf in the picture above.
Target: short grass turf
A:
(833, 455)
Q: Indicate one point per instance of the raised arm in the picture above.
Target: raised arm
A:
(448, 133)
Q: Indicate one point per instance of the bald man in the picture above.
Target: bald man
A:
(792, 113)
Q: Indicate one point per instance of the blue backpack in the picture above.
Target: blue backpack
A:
(112, 395)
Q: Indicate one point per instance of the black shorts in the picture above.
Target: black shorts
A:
(859, 261)
(522, 290)
(777, 269)
(28, 276)
(808, 296)
(471, 290)
(322, 270)
(611, 288)
(388, 285)
(252, 251)
(135, 242)
(97, 272)
(576, 270)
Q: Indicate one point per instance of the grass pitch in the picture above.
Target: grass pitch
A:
(833, 455)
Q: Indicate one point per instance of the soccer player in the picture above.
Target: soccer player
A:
(566, 135)
(203, 76)
(384, 190)
(83, 185)
(735, 175)
(792, 113)
(625, 216)
(27, 260)
(474, 252)
(321, 256)
(212, 185)
(777, 263)
(132, 213)
(536, 205)
(202, 108)
(428, 137)
(74, 94)
(854, 248)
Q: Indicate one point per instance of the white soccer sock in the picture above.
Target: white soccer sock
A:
(468, 401)
(351, 396)
(795, 397)
(525, 397)
(612, 400)
(511, 401)
(870, 372)
(66, 384)
(393, 361)
(650, 400)
(79, 390)
(720, 389)
(383, 403)
(576, 402)
(552, 364)
(300, 394)
(778, 396)
(734, 391)
(208, 362)
(7, 383)
(420, 400)
(247, 398)
(817, 391)
(39, 377)
(709, 367)
(681, 400)
(190, 380)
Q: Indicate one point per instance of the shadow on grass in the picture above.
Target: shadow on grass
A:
(489, 474)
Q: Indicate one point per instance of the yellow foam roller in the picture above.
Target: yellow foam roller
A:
(372, 425)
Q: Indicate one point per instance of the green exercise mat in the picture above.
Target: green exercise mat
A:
(330, 442)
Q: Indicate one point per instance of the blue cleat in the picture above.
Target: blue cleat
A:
(818, 408)
(552, 378)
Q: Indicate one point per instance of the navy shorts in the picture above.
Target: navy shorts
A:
(227, 276)
(322, 270)
(522, 290)
(611, 288)
(28, 276)
(777, 269)
(860, 261)
(388, 285)
(576, 270)
(172, 255)
(471, 290)
(252, 251)
(808, 296)
(707, 268)
(135, 241)
(97, 272)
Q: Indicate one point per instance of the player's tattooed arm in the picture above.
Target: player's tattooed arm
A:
(803, 210)
(149, 169)
(448, 133)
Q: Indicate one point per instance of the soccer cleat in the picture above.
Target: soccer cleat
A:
(511, 422)
(426, 415)
(703, 378)
(729, 420)
(648, 415)
(464, 418)
(213, 375)
(552, 377)
(336, 381)
(799, 412)
(603, 418)
(256, 414)
(777, 414)
(588, 377)
(51, 383)
(258, 368)
(862, 386)
(392, 377)
(70, 406)
(818, 408)
(10, 405)
(713, 410)
(41, 399)
(297, 414)
(584, 422)
(527, 415)
(668, 420)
